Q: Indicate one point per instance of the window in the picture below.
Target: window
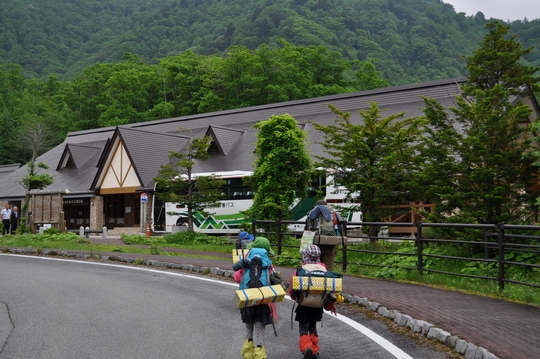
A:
(235, 189)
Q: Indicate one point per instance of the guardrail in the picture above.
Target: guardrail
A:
(496, 241)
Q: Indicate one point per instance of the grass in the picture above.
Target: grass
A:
(390, 266)
(142, 245)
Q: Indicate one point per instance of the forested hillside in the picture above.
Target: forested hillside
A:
(411, 40)
(69, 65)
(131, 91)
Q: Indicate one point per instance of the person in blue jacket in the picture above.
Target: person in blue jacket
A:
(255, 318)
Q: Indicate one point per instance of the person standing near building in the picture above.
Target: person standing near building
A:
(6, 219)
(326, 223)
(15, 219)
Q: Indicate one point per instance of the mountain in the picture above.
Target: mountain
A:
(411, 40)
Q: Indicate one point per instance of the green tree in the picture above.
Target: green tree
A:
(282, 167)
(501, 60)
(11, 86)
(185, 81)
(131, 92)
(210, 97)
(376, 159)
(85, 94)
(241, 79)
(7, 140)
(176, 182)
(479, 167)
(367, 77)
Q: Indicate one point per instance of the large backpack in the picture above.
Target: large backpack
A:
(319, 218)
(256, 274)
(309, 276)
(323, 221)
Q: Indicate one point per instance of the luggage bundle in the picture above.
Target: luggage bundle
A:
(257, 296)
(319, 239)
(313, 285)
(238, 254)
(256, 281)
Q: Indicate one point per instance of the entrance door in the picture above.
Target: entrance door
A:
(159, 215)
(114, 210)
(122, 210)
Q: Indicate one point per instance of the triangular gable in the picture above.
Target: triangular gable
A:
(120, 175)
(528, 99)
(76, 155)
(149, 150)
(66, 160)
(224, 138)
(132, 159)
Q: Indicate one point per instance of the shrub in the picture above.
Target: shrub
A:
(51, 231)
(194, 237)
(135, 239)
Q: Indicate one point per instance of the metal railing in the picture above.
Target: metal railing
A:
(496, 240)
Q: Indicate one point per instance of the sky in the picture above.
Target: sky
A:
(499, 9)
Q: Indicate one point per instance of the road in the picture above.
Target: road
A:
(55, 308)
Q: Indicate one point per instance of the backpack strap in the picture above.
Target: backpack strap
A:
(309, 284)
(324, 286)
(255, 277)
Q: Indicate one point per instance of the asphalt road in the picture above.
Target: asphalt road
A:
(55, 309)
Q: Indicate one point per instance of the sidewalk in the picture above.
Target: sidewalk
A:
(507, 330)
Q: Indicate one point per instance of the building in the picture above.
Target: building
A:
(106, 170)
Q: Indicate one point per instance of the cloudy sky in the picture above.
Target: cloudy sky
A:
(499, 9)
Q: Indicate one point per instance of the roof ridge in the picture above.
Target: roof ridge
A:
(153, 132)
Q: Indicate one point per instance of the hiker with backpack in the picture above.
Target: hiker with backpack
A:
(244, 238)
(326, 223)
(308, 316)
(257, 269)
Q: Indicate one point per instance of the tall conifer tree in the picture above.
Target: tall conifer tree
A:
(479, 167)
(376, 159)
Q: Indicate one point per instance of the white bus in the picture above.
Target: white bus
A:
(228, 218)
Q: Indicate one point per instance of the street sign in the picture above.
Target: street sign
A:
(144, 197)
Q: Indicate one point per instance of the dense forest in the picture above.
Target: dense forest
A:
(131, 91)
(411, 40)
(69, 65)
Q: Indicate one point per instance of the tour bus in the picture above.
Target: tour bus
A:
(228, 218)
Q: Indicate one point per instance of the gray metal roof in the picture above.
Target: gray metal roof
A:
(149, 143)
(7, 169)
(225, 138)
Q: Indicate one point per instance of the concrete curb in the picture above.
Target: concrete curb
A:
(469, 350)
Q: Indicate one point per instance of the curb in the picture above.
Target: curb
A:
(469, 350)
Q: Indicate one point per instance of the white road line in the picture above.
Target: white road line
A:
(385, 344)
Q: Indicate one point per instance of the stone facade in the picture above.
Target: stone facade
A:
(148, 212)
(97, 220)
